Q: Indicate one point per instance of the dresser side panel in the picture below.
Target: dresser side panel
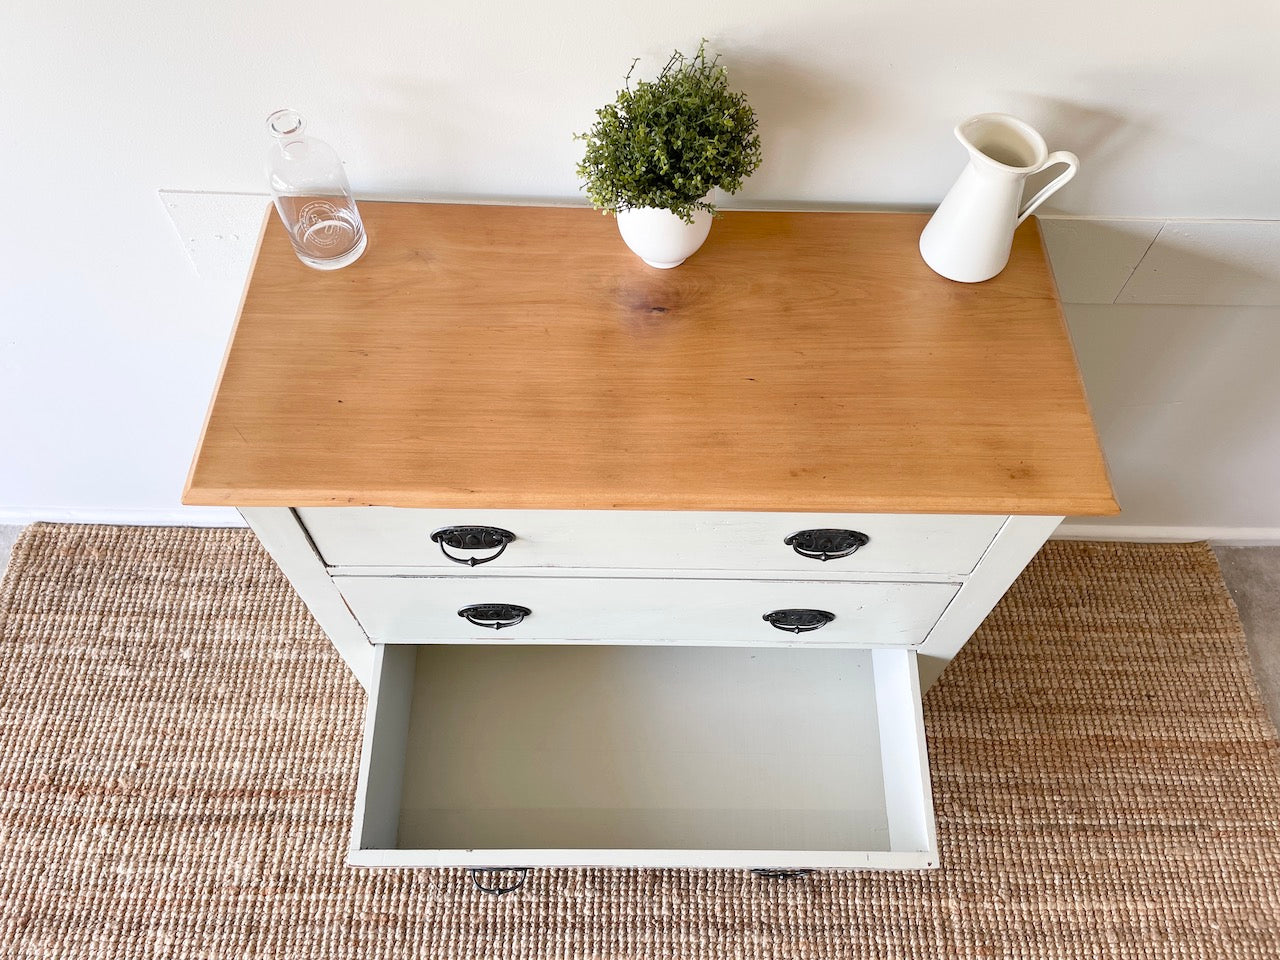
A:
(1013, 548)
(284, 538)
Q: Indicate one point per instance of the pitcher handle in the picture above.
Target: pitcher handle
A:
(1052, 187)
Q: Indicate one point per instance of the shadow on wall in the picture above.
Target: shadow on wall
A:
(1173, 262)
(801, 108)
(1184, 399)
(1098, 137)
(1174, 322)
(1183, 388)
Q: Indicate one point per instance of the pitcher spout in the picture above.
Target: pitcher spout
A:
(1000, 142)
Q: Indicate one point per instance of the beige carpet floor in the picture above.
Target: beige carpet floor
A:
(178, 750)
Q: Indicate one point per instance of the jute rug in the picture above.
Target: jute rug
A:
(178, 753)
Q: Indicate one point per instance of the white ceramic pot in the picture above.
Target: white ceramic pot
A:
(660, 238)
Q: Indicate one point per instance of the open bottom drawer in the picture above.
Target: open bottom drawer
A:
(644, 756)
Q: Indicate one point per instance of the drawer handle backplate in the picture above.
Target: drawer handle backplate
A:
(775, 873)
(495, 616)
(472, 538)
(501, 886)
(799, 621)
(827, 544)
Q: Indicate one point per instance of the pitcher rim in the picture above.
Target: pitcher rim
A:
(1031, 133)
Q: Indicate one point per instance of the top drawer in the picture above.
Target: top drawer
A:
(622, 539)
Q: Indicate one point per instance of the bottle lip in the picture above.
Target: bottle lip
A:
(285, 123)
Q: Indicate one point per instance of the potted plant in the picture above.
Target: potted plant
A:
(655, 154)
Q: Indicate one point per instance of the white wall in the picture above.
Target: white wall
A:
(1177, 328)
(110, 338)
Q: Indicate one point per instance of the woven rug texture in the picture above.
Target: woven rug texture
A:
(179, 745)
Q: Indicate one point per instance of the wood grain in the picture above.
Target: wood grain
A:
(522, 357)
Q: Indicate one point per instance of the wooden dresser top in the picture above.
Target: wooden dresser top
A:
(521, 357)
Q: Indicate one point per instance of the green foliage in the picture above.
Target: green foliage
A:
(668, 142)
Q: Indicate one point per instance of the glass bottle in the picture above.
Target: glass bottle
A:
(312, 196)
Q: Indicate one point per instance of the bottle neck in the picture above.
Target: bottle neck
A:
(285, 125)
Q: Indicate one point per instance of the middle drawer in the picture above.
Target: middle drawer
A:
(640, 610)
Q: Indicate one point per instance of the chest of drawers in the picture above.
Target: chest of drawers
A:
(641, 568)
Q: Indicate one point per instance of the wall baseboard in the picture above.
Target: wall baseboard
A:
(1225, 536)
(228, 517)
(172, 517)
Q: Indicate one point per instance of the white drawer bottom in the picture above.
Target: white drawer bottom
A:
(638, 610)
(644, 756)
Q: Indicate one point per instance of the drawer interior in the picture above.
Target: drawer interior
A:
(649, 756)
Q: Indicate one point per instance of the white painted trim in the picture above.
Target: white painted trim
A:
(898, 745)
(907, 783)
(1103, 217)
(1143, 533)
(1009, 553)
(535, 858)
(228, 517)
(282, 536)
(816, 574)
(131, 517)
(386, 729)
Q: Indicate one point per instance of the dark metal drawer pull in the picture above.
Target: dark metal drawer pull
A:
(772, 873)
(799, 621)
(495, 616)
(499, 888)
(472, 538)
(826, 544)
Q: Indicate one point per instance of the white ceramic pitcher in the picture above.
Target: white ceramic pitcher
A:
(969, 236)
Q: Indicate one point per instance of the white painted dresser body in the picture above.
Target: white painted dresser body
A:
(647, 568)
(857, 796)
